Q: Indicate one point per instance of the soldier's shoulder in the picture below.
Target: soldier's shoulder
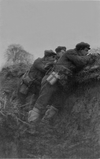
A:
(71, 52)
(38, 60)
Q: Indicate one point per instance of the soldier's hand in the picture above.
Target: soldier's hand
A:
(48, 65)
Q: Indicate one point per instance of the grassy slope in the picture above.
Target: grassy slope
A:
(75, 134)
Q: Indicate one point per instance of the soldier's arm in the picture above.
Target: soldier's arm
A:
(78, 60)
(39, 65)
(49, 65)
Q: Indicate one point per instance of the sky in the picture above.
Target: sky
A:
(43, 25)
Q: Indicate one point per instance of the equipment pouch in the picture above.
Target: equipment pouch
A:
(25, 83)
(53, 77)
(26, 79)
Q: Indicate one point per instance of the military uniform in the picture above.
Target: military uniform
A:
(71, 62)
(31, 81)
(59, 48)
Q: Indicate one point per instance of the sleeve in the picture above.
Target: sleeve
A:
(38, 64)
(77, 60)
(49, 65)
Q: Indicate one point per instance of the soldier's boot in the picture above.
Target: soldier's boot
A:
(33, 115)
(33, 119)
(50, 114)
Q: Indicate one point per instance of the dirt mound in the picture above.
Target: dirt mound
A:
(74, 133)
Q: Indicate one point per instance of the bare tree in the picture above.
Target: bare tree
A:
(15, 53)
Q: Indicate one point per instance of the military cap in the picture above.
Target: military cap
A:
(49, 53)
(59, 48)
(82, 45)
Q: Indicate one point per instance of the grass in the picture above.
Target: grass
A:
(75, 132)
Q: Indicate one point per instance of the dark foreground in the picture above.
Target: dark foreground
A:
(47, 147)
(75, 133)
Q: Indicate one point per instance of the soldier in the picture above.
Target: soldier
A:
(60, 50)
(71, 62)
(31, 81)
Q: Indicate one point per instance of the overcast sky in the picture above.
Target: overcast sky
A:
(40, 25)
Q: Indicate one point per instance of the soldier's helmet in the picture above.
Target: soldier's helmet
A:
(48, 53)
(59, 48)
(82, 45)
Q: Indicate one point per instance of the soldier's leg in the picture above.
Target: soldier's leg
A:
(33, 94)
(40, 106)
(59, 99)
(56, 105)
